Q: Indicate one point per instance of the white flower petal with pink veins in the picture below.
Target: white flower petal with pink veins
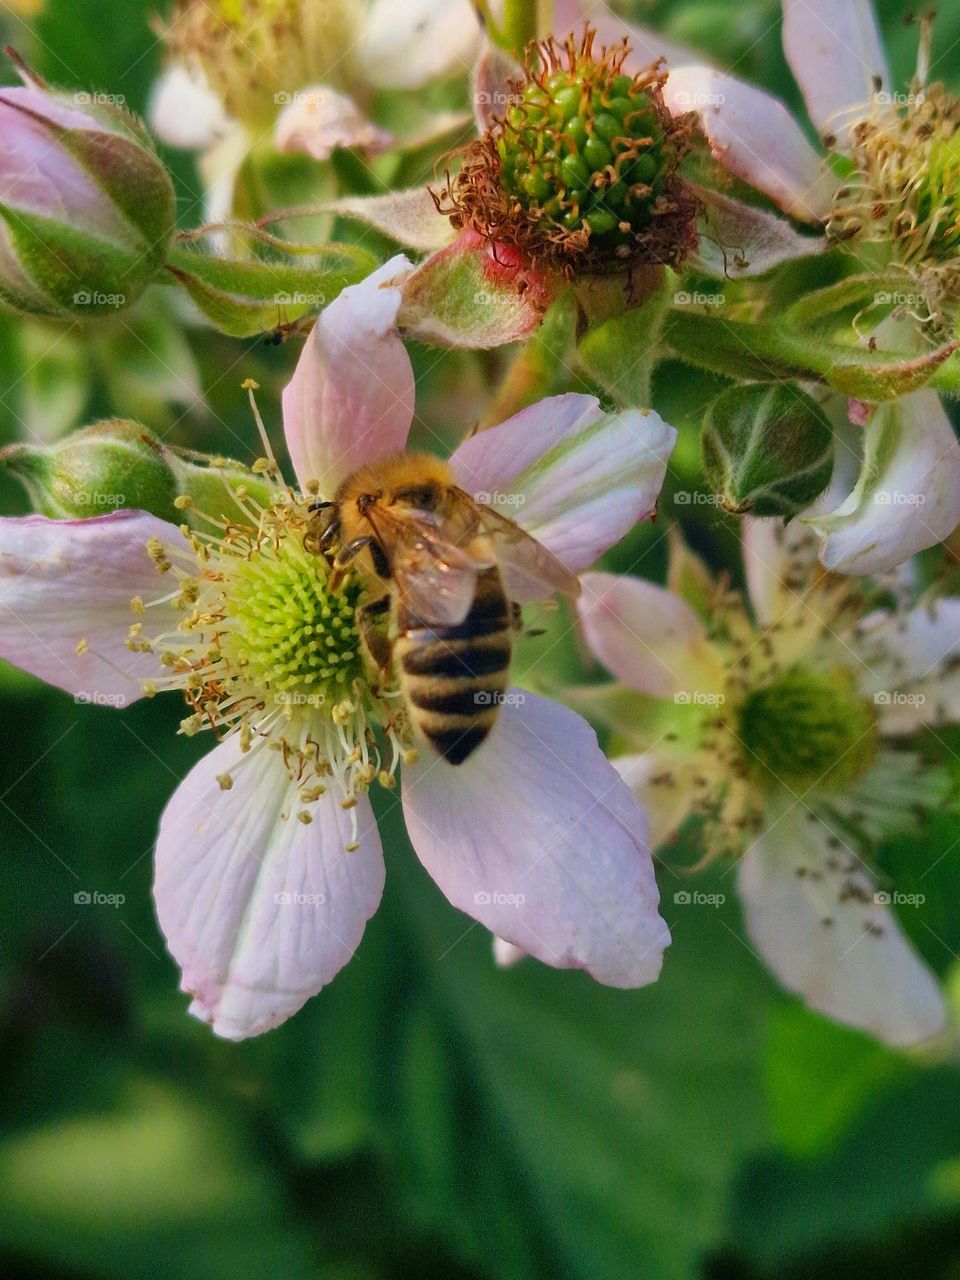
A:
(537, 837)
(405, 43)
(817, 920)
(836, 55)
(67, 581)
(647, 637)
(753, 135)
(907, 495)
(318, 121)
(350, 400)
(259, 909)
(575, 478)
(911, 665)
(646, 46)
(183, 110)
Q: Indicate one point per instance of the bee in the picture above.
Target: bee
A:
(454, 573)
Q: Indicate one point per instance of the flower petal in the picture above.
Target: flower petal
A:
(558, 864)
(836, 55)
(754, 136)
(577, 479)
(405, 45)
(183, 110)
(664, 785)
(318, 121)
(817, 921)
(910, 665)
(650, 639)
(646, 46)
(738, 240)
(777, 562)
(505, 954)
(260, 910)
(350, 400)
(67, 581)
(907, 496)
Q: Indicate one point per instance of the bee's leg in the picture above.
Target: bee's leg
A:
(378, 645)
(347, 554)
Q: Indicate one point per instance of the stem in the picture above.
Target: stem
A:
(520, 21)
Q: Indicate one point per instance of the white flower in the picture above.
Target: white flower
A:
(268, 861)
(783, 734)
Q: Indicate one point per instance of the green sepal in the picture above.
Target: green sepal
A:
(766, 449)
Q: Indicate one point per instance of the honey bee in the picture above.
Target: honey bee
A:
(455, 572)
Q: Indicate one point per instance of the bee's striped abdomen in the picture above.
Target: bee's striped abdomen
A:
(454, 677)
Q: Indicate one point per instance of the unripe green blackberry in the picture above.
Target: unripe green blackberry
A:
(582, 169)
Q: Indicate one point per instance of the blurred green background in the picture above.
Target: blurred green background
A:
(427, 1115)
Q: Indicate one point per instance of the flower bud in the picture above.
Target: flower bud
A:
(766, 449)
(86, 206)
(115, 463)
(209, 483)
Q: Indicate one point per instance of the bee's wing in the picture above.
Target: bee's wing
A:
(435, 580)
(530, 571)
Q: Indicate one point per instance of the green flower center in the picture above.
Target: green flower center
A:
(586, 149)
(289, 633)
(807, 729)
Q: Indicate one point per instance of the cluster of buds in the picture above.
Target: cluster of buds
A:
(582, 170)
(86, 206)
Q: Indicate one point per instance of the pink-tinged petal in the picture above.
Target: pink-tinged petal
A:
(574, 477)
(836, 55)
(665, 786)
(738, 240)
(403, 45)
(67, 581)
(409, 217)
(754, 136)
(259, 909)
(646, 46)
(651, 640)
(558, 864)
(183, 110)
(318, 121)
(505, 954)
(910, 665)
(493, 74)
(475, 294)
(907, 495)
(817, 920)
(350, 400)
(777, 562)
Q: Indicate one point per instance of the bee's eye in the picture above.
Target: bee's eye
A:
(425, 497)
